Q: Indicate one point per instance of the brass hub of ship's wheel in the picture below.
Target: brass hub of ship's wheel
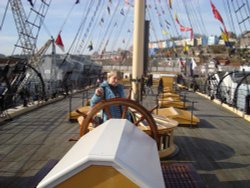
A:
(126, 104)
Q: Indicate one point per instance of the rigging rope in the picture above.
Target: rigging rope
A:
(185, 6)
(47, 30)
(236, 16)
(82, 24)
(4, 15)
(248, 7)
(152, 24)
(67, 17)
(247, 11)
(42, 12)
(114, 43)
(231, 22)
(75, 38)
(86, 37)
(173, 22)
(107, 29)
(101, 24)
(197, 19)
(193, 18)
(129, 41)
(202, 20)
(160, 22)
(242, 18)
(167, 24)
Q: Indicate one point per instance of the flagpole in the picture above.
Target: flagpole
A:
(138, 48)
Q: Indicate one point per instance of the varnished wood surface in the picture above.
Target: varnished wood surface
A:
(219, 148)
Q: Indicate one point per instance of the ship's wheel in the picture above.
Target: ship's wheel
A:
(127, 105)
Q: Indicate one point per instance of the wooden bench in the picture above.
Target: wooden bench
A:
(183, 117)
(170, 101)
(74, 114)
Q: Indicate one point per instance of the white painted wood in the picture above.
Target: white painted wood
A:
(117, 143)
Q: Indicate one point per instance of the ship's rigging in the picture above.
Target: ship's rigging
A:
(101, 21)
(28, 26)
(107, 25)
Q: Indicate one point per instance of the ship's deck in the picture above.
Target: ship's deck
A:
(219, 148)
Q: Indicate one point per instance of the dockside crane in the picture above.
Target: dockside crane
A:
(28, 27)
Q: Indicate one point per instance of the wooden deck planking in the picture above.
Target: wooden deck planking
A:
(219, 148)
(28, 142)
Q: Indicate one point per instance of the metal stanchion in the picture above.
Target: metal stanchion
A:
(192, 114)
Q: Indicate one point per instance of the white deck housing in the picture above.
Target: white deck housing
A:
(117, 143)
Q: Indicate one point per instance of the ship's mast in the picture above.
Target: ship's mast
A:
(138, 48)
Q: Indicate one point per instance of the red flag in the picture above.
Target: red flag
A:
(176, 18)
(216, 13)
(184, 29)
(59, 42)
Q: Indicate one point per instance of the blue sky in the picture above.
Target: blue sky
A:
(59, 10)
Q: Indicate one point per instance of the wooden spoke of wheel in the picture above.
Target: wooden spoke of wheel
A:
(84, 115)
(124, 112)
(143, 117)
(125, 103)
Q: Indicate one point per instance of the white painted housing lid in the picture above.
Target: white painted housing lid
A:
(117, 143)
